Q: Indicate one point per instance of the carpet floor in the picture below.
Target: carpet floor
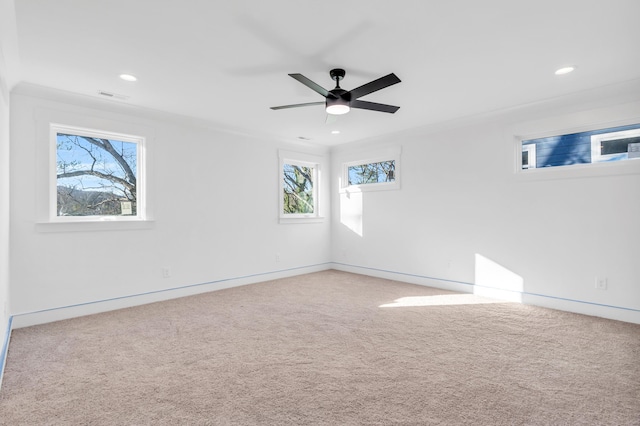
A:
(329, 348)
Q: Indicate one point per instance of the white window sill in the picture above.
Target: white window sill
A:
(573, 171)
(313, 219)
(97, 225)
(380, 186)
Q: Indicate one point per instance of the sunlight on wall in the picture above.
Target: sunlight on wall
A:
(351, 211)
(494, 280)
(440, 300)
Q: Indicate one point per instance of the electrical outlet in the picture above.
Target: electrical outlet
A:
(277, 257)
(166, 272)
(601, 283)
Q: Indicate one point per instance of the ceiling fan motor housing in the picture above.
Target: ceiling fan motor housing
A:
(339, 101)
(337, 74)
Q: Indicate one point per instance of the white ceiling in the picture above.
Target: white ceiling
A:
(227, 61)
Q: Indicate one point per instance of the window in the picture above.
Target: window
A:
(593, 146)
(299, 179)
(361, 174)
(379, 172)
(98, 175)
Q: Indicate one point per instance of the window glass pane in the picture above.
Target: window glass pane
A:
(95, 176)
(298, 189)
(617, 146)
(372, 173)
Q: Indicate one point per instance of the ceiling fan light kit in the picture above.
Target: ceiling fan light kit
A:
(339, 101)
(337, 106)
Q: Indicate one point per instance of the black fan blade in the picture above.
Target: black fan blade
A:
(311, 85)
(297, 105)
(374, 106)
(381, 83)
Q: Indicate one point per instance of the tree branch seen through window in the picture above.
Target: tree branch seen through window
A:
(298, 189)
(383, 171)
(95, 176)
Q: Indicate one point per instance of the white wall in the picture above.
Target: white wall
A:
(213, 197)
(4, 222)
(4, 207)
(463, 218)
(8, 76)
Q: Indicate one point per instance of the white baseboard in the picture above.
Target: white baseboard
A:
(6, 336)
(618, 313)
(582, 307)
(27, 319)
(405, 277)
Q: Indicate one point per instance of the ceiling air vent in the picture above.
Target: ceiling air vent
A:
(112, 95)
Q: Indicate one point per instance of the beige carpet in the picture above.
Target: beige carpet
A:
(320, 349)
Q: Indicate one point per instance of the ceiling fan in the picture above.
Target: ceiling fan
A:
(339, 101)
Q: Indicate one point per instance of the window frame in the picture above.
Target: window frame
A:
(530, 148)
(141, 205)
(392, 154)
(303, 160)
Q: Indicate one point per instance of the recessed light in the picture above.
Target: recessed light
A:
(565, 70)
(128, 77)
(335, 132)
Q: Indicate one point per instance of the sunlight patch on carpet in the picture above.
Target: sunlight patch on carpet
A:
(439, 300)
